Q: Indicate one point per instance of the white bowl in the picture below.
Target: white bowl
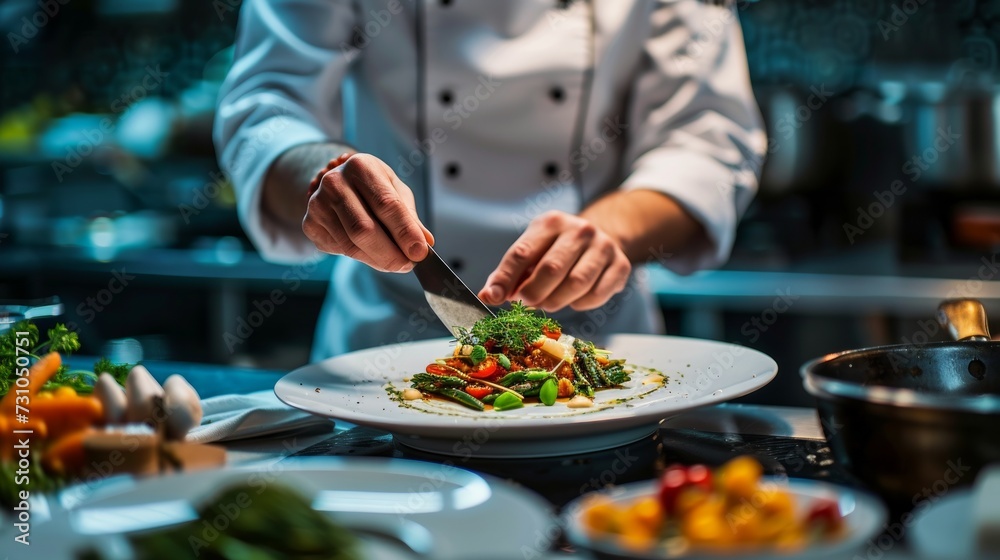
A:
(864, 517)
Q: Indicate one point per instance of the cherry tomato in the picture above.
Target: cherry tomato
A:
(478, 391)
(438, 369)
(553, 334)
(484, 369)
(826, 514)
(700, 477)
(671, 483)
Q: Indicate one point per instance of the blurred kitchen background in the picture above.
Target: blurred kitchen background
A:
(880, 195)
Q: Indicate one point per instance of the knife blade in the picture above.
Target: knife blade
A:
(450, 299)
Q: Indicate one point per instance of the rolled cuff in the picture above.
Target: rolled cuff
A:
(705, 189)
(246, 160)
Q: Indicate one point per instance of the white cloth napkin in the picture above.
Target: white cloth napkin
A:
(233, 417)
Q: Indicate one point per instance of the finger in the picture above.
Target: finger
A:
(581, 278)
(361, 227)
(407, 195)
(369, 176)
(613, 280)
(325, 231)
(517, 262)
(554, 267)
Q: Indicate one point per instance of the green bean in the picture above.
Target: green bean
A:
(536, 375)
(616, 374)
(463, 398)
(582, 383)
(424, 379)
(511, 378)
(528, 388)
(595, 370)
(491, 397)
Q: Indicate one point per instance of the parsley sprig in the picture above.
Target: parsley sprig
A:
(59, 339)
(515, 328)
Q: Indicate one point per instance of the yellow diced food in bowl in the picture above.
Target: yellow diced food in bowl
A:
(775, 501)
(694, 509)
(689, 498)
(745, 523)
(706, 523)
(600, 515)
(637, 540)
(740, 476)
(645, 512)
(791, 540)
(774, 526)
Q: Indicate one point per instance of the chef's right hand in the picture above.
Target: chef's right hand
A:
(352, 198)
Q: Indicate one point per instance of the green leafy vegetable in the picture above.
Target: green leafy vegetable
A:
(270, 523)
(60, 339)
(11, 482)
(118, 371)
(515, 328)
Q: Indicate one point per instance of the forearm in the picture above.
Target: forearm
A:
(646, 224)
(283, 199)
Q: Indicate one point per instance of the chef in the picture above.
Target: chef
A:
(543, 147)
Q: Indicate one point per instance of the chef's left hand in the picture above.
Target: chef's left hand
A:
(560, 260)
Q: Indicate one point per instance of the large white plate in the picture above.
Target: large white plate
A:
(356, 387)
(864, 517)
(428, 510)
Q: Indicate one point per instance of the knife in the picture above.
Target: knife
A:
(450, 299)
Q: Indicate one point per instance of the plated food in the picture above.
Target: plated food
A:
(669, 375)
(519, 356)
(277, 524)
(303, 507)
(697, 510)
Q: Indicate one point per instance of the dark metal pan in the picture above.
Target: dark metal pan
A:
(913, 421)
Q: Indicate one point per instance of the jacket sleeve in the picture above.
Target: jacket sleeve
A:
(283, 90)
(695, 132)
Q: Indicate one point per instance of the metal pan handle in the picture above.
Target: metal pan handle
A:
(965, 319)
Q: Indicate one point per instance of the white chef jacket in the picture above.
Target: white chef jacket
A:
(493, 112)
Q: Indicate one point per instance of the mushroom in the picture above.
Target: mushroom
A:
(182, 405)
(141, 390)
(112, 397)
